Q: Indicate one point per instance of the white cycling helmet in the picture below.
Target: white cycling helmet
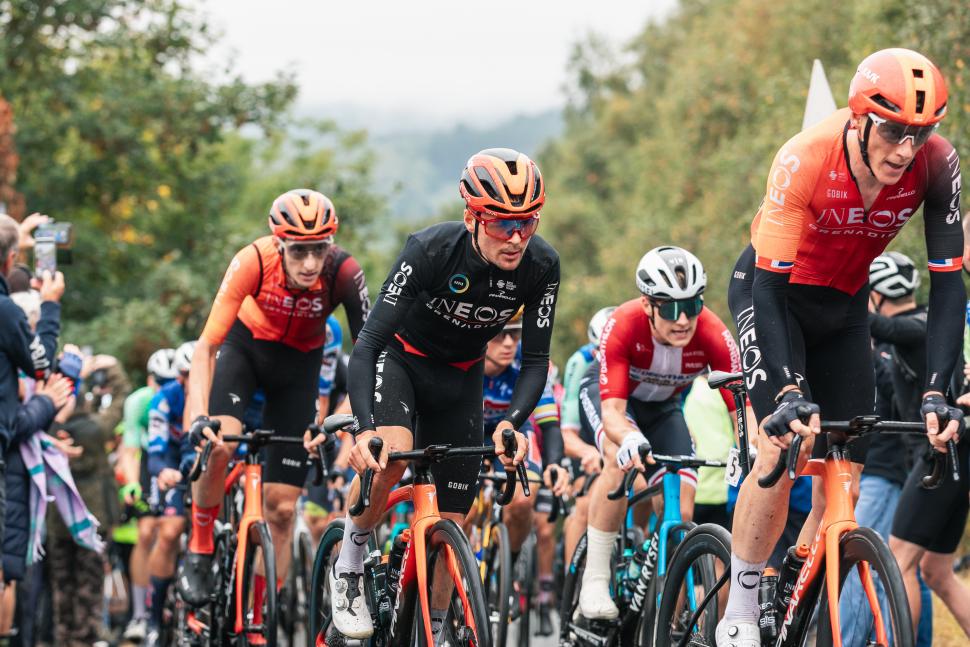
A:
(893, 275)
(669, 273)
(161, 364)
(183, 357)
(596, 324)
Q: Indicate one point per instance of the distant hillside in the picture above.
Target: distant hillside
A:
(418, 170)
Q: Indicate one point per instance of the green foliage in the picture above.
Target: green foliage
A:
(164, 169)
(671, 144)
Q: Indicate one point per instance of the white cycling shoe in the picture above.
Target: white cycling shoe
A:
(595, 602)
(350, 614)
(737, 633)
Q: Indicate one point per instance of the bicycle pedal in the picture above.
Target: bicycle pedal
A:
(336, 639)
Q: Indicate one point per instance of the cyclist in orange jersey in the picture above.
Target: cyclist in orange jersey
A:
(266, 331)
(836, 196)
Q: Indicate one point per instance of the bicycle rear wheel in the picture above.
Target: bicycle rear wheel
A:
(865, 545)
(259, 616)
(697, 572)
(293, 607)
(467, 620)
(497, 583)
(526, 577)
(319, 606)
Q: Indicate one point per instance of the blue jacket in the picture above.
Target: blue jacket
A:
(33, 354)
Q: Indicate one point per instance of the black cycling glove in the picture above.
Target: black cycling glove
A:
(792, 406)
(936, 403)
(195, 431)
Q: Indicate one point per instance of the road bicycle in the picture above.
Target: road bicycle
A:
(690, 607)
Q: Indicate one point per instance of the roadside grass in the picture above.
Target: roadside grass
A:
(946, 631)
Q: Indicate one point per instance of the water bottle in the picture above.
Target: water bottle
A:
(395, 560)
(768, 618)
(788, 577)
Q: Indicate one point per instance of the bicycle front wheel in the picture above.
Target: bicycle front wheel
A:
(260, 610)
(319, 609)
(497, 583)
(697, 574)
(467, 621)
(864, 545)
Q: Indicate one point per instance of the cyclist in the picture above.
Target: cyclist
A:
(268, 325)
(578, 446)
(503, 363)
(416, 371)
(133, 466)
(651, 350)
(837, 194)
(170, 455)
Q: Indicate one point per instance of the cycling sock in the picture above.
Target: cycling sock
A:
(546, 586)
(743, 597)
(202, 520)
(599, 548)
(259, 595)
(159, 588)
(353, 549)
(139, 602)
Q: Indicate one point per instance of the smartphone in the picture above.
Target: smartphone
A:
(62, 233)
(45, 257)
(69, 365)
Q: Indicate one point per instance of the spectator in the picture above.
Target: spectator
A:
(78, 596)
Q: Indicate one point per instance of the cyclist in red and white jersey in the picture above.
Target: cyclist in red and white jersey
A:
(651, 350)
(836, 196)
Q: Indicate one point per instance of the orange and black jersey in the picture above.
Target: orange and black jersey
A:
(443, 301)
(254, 290)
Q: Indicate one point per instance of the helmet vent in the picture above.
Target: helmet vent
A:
(486, 181)
(513, 167)
(918, 73)
(920, 99)
(306, 200)
(884, 102)
(537, 188)
(470, 188)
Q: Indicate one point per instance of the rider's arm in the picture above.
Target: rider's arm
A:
(546, 415)
(400, 290)
(158, 434)
(944, 249)
(241, 280)
(615, 382)
(350, 289)
(898, 330)
(540, 309)
(720, 348)
(572, 376)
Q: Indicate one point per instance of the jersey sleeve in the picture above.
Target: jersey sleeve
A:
(572, 376)
(614, 361)
(241, 280)
(721, 350)
(546, 411)
(779, 225)
(351, 291)
(411, 271)
(158, 433)
(331, 357)
(537, 320)
(133, 431)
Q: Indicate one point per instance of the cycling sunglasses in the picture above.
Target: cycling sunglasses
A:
(300, 251)
(514, 333)
(896, 133)
(671, 310)
(505, 228)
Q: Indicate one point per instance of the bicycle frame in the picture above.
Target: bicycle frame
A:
(414, 567)
(835, 470)
(252, 512)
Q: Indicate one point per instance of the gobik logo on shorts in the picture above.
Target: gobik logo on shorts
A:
(458, 283)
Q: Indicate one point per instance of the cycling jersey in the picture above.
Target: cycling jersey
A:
(254, 290)
(634, 366)
(576, 365)
(441, 300)
(813, 231)
(166, 448)
(812, 222)
(135, 421)
(332, 351)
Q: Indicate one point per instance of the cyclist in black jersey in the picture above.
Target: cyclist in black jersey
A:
(416, 371)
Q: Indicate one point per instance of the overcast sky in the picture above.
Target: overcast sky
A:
(440, 58)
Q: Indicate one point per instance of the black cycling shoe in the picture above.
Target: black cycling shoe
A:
(545, 620)
(194, 579)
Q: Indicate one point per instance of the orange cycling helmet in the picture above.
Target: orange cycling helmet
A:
(302, 214)
(503, 183)
(900, 85)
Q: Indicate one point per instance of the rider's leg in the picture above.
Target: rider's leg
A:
(908, 556)
(937, 569)
(138, 566)
(162, 563)
(279, 509)
(207, 491)
(605, 517)
(575, 526)
(517, 516)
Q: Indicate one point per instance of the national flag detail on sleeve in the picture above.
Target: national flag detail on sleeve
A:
(945, 264)
(774, 265)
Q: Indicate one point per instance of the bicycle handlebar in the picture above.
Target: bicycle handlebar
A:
(438, 453)
(624, 488)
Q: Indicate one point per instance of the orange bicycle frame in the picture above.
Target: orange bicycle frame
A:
(252, 512)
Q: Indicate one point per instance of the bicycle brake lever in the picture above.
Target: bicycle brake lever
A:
(200, 465)
(951, 452)
(779, 469)
(793, 452)
(556, 500)
(320, 469)
(624, 487)
(523, 478)
(931, 480)
(375, 446)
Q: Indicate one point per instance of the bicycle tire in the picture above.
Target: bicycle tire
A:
(293, 606)
(703, 543)
(447, 534)
(648, 614)
(318, 611)
(259, 540)
(529, 576)
(865, 545)
(497, 583)
(570, 591)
